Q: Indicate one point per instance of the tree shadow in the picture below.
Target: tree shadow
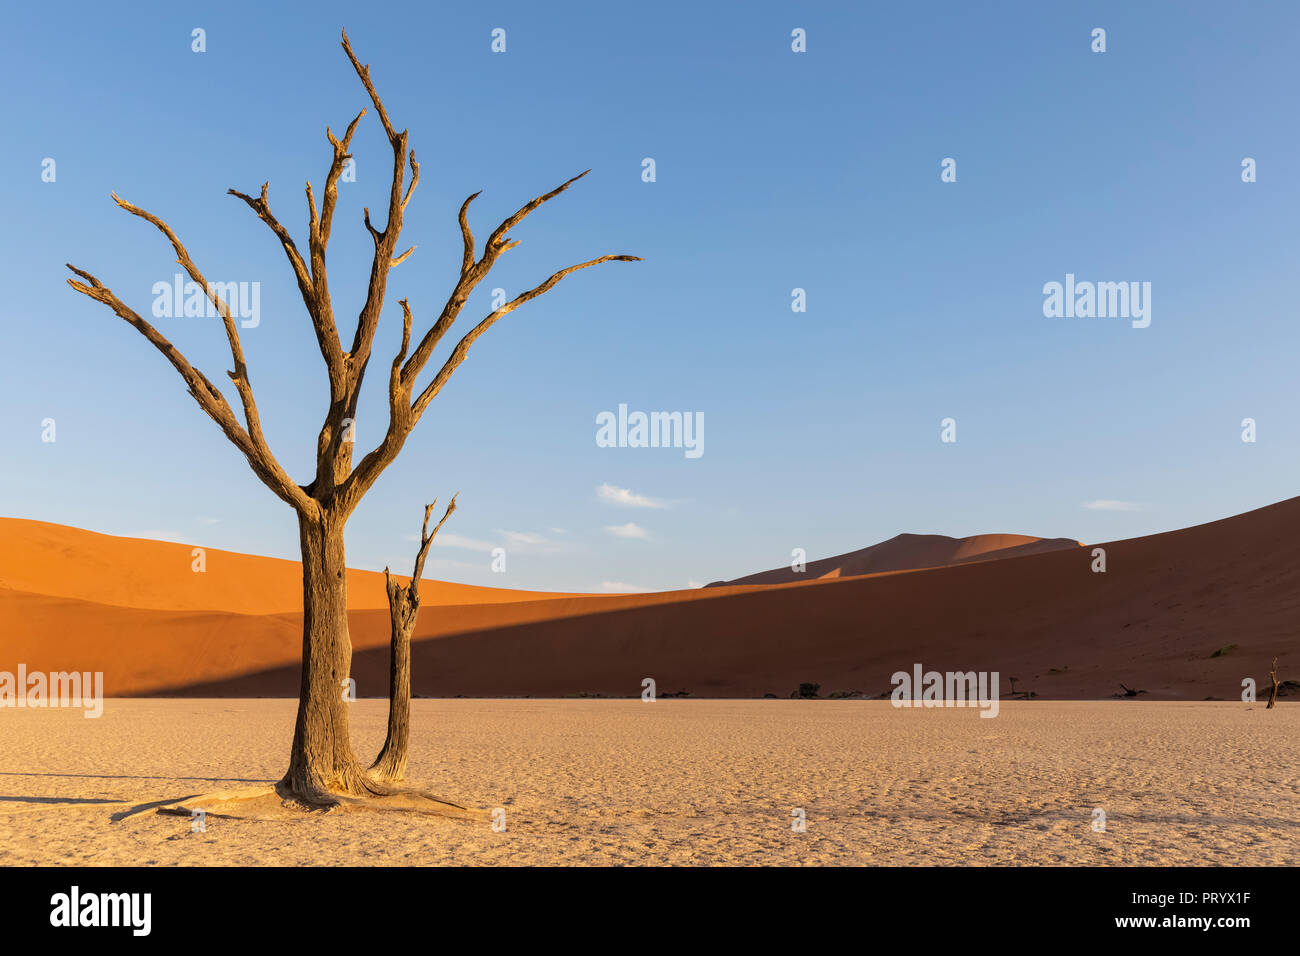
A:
(142, 807)
(57, 800)
(129, 776)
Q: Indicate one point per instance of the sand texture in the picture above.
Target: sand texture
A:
(678, 782)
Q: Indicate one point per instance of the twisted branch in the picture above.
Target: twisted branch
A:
(207, 395)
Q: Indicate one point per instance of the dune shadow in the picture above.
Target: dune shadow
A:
(736, 644)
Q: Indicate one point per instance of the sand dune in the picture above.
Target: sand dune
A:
(1153, 621)
(909, 552)
(59, 561)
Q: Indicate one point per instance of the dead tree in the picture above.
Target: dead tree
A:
(1272, 696)
(322, 764)
(403, 611)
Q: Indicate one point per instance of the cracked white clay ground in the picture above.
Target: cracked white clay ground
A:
(679, 782)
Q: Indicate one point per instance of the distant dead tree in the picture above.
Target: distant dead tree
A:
(322, 765)
(1272, 696)
(403, 611)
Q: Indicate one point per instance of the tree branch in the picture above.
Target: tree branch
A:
(398, 396)
(471, 272)
(385, 240)
(426, 539)
(340, 160)
(333, 457)
(208, 397)
(415, 181)
(240, 373)
(326, 338)
(499, 236)
(461, 351)
(263, 209)
(364, 73)
(318, 237)
(403, 415)
(467, 261)
(470, 275)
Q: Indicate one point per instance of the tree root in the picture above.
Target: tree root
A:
(267, 802)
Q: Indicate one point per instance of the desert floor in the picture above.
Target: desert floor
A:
(678, 782)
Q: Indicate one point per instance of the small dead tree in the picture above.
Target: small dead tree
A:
(1272, 696)
(322, 764)
(403, 611)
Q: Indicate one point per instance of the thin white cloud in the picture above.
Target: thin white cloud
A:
(528, 542)
(1108, 504)
(452, 564)
(629, 530)
(618, 587)
(625, 497)
(517, 542)
(524, 539)
(695, 584)
(453, 540)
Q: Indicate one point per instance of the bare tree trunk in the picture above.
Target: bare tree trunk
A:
(322, 761)
(1272, 697)
(403, 611)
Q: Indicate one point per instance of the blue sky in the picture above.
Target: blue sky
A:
(775, 170)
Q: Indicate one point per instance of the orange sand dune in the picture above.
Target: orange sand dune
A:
(1153, 621)
(58, 561)
(909, 552)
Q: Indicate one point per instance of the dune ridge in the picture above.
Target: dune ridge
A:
(1153, 621)
(37, 557)
(909, 552)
